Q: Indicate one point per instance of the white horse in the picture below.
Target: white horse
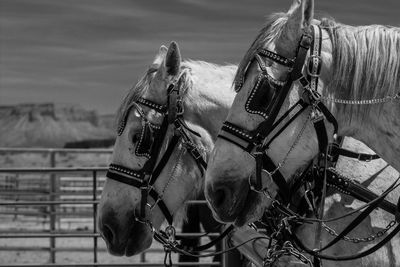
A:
(207, 96)
(358, 63)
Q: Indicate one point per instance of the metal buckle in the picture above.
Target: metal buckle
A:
(195, 153)
(171, 87)
(366, 158)
(305, 41)
(262, 190)
(313, 95)
(316, 115)
(179, 107)
(170, 232)
(311, 63)
(310, 199)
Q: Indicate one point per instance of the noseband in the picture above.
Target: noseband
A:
(145, 178)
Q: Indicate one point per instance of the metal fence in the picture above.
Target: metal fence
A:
(59, 196)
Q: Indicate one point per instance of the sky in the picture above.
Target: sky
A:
(91, 52)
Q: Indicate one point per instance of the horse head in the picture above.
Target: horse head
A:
(144, 188)
(271, 118)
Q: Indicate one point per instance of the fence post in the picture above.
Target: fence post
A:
(94, 217)
(17, 196)
(53, 197)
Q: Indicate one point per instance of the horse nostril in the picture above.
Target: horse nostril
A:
(108, 233)
(219, 197)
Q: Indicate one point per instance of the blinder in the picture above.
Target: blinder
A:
(265, 91)
(145, 143)
(147, 133)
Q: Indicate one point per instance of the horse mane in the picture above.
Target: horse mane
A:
(365, 62)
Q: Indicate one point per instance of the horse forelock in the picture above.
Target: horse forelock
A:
(134, 93)
(271, 31)
(366, 64)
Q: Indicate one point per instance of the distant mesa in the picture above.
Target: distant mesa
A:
(54, 125)
(96, 143)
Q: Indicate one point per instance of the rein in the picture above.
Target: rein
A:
(145, 178)
(323, 174)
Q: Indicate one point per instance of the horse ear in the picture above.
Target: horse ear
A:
(173, 59)
(159, 58)
(301, 13)
(300, 16)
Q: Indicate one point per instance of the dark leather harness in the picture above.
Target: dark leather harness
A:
(273, 94)
(152, 138)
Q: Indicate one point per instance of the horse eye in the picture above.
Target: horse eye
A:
(135, 138)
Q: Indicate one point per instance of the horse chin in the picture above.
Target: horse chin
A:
(252, 210)
(139, 238)
(133, 247)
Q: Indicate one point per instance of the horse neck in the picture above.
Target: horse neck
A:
(380, 130)
(366, 66)
(209, 99)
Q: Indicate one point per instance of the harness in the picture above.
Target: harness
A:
(266, 100)
(152, 137)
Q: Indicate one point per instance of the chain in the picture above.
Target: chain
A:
(173, 171)
(296, 141)
(363, 102)
(356, 240)
(287, 249)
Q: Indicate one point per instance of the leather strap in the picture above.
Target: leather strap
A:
(212, 242)
(335, 150)
(277, 58)
(164, 160)
(277, 177)
(356, 190)
(123, 178)
(303, 107)
(236, 135)
(322, 135)
(150, 104)
(161, 204)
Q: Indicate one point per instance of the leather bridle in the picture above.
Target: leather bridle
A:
(145, 178)
(253, 142)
